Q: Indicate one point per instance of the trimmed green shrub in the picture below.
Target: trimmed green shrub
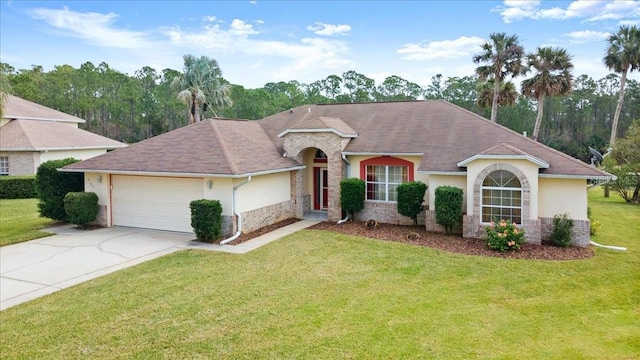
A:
(503, 236)
(17, 187)
(81, 207)
(52, 186)
(352, 192)
(206, 219)
(448, 207)
(410, 198)
(561, 233)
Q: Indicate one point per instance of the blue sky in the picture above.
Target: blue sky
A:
(256, 42)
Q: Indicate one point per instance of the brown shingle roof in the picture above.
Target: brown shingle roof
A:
(17, 108)
(445, 133)
(209, 147)
(37, 135)
(324, 123)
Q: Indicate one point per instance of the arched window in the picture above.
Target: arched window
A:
(501, 197)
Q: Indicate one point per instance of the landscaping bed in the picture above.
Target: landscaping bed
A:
(454, 243)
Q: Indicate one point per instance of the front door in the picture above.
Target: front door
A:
(321, 188)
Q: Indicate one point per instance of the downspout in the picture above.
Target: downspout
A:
(619, 248)
(233, 204)
(344, 158)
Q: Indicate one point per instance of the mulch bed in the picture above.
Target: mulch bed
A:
(450, 243)
(263, 230)
(454, 243)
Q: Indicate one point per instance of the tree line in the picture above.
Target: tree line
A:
(566, 112)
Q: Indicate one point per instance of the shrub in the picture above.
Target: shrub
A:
(410, 198)
(503, 236)
(561, 234)
(52, 186)
(352, 191)
(17, 187)
(448, 207)
(206, 219)
(81, 207)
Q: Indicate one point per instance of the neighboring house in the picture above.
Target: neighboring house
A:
(31, 134)
(291, 163)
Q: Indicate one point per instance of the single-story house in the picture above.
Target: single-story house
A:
(31, 134)
(291, 163)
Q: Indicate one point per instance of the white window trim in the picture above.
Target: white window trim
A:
(483, 206)
(386, 182)
(4, 163)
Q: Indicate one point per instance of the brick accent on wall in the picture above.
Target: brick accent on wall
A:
(581, 232)
(21, 163)
(432, 226)
(295, 144)
(255, 219)
(386, 212)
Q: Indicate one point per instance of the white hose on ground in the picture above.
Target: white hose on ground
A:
(619, 248)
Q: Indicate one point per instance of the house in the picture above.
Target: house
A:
(291, 163)
(31, 134)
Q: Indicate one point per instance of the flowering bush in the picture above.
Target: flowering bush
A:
(503, 236)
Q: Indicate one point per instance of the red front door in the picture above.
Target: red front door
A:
(321, 188)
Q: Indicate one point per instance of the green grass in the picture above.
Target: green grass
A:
(19, 221)
(319, 295)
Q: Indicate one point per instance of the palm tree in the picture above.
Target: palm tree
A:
(622, 56)
(507, 96)
(553, 78)
(503, 57)
(201, 86)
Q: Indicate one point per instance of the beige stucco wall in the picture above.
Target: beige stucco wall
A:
(559, 196)
(80, 154)
(529, 169)
(101, 188)
(221, 190)
(263, 190)
(459, 181)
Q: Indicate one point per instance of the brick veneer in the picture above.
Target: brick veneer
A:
(332, 145)
(255, 219)
(386, 212)
(21, 163)
(581, 232)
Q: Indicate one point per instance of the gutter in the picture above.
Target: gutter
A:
(233, 203)
(175, 174)
(344, 158)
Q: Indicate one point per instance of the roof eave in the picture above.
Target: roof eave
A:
(65, 148)
(386, 153)
(541, 164)
(454, 173)
(17, 117)
(178, 174)
(339, 133)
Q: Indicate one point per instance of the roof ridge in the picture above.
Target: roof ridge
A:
(223, 146)
(24, 133)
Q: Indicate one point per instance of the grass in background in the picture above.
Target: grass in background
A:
(320, 295)
(20, 221)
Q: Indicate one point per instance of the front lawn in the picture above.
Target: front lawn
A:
(321, 295)
(19, 221)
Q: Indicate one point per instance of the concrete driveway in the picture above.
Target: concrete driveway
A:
(35, 268)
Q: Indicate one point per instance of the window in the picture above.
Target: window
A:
(4, 165)
(382, 176)
(320, 157)
(501, 197)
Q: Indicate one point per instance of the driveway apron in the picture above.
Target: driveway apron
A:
(35, 268)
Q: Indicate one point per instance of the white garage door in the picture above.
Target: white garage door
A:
(154, 202)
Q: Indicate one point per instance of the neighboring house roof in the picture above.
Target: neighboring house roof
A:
(445, 134)
(214, 147)
(36, 135)
(17, 108)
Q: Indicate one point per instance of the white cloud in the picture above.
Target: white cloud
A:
(587, 36)
(209, 18)
(329, 29)
(241, 28)
(589, 10)
(93, 27)
(462, 47)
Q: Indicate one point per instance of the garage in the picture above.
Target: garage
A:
(154, 202)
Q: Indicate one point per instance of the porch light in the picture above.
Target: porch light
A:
(99, 178)
(209, 184)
